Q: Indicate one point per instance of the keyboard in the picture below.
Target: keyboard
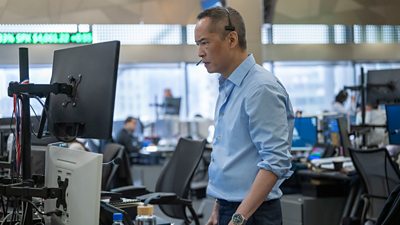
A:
(124, 203)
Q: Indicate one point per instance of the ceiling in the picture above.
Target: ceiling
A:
(337, 11)
(99, 11)
(185, 11)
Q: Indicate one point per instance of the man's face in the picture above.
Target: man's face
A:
(131, 125)
(212, 48)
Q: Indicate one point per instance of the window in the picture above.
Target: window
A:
(300, 34)
(140, 89)
(37, 74)
(139, 34)
(203, 91)
(313, 85)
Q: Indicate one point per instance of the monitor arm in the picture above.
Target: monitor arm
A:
(25, 189)
(44, 90)
(40, 90)
(25, 91)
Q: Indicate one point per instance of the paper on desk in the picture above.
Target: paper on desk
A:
(324, 162)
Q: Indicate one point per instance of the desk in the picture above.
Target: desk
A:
(350, 180)
(304, 210)
(329, 175)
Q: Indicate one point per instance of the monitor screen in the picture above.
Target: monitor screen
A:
(206, 4)
(393, 123)
(344, 136)
(92, 70)
(331, 130)
(83, 171)
(317, 152)
(305, 132)
(383, 86)
(172, 106)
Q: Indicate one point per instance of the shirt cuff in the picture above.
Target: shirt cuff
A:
(282, 172)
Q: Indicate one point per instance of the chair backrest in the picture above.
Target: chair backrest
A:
(390, 214)
(379, 174)
(111, 152)
(178, 172)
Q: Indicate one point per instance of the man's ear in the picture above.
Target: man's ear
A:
(233, 39)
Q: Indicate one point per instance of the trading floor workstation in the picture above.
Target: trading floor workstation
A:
(331, 161)
(63, 158)
(342, 176)
(58, 184)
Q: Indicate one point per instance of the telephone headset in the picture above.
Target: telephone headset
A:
(229, 27)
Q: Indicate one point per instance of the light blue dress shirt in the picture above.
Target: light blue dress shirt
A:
(253, 130)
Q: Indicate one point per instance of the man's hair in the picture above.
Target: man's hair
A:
(129, 119)
(341, 96)
(220, 19)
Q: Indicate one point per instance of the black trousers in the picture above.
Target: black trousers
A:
(269, 213)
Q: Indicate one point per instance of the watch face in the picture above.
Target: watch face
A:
(238, 219)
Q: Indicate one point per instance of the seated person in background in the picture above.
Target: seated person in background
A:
(126, 136)
(298, 113)
(168, 93)
(339, 107)
(376, 137)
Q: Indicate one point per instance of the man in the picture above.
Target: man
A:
(253, 125)
(126, 138)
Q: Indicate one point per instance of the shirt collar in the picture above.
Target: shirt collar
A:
(238, 75)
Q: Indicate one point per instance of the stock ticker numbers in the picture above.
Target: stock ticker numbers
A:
(46, 38)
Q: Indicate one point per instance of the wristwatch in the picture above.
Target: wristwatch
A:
(238, 219)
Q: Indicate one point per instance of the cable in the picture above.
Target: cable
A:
(2, 205)
(386, 173)
(25, 212)
(37, 117)
(57, 212)
(5, 218)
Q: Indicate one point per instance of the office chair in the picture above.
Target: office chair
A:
(380, 176)
(390, 213)
(172, 187)
(112, 157)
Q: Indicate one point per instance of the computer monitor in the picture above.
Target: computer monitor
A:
(83, 171)
(92, 70)
(172, 106)
(383, 86)
(305, 133)
(167, 128)
(317, 152)
(331, 131)
(393, 123)
(344, 136)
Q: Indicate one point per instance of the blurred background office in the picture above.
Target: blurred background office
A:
(158, 49)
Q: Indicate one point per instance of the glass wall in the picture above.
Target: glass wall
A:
(312, 85)
(203, 91)
(39, 74)
(140, 89)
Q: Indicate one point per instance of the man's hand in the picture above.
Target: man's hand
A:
(213, 220)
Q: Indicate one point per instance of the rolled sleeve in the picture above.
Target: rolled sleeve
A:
(270, 129)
